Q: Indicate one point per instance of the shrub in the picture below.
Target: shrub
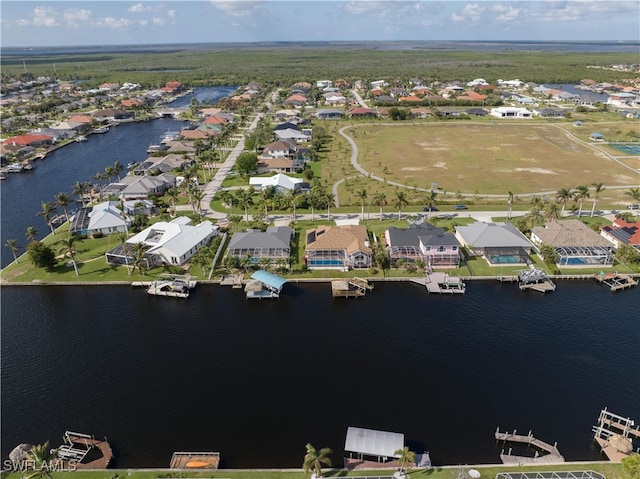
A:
(41, 255)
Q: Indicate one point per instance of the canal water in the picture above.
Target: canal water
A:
(22, 194)
(257, 380)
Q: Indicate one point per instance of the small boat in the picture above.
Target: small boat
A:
(28, 165)
(102, 129)
(81, 139)
(3, 176)
(15, 168)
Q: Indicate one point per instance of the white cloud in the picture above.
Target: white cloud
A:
(139, 8)
(114, 23)
(237, 8)
(171, 13)
(506, 13)
(472, 12)
(45, 17)
(159, 21)
(75, 18)
(143, 23)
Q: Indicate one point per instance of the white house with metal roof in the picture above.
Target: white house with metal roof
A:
(104, 218)
(174, 242)
(281, 182)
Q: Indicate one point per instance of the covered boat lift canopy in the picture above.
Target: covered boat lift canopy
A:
(270, 281)
(373, 443)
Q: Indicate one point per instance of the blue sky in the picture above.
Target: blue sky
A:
(64, 23)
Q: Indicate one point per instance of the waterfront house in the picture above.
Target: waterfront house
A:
(273, 244)
(163, 164)
(172, 243)
(338, 247)
(576, 244)
(139, 187)
(423, 241)
(622, 232)
(498, 243)
(34, 140)
(112, 114)
(102, 219)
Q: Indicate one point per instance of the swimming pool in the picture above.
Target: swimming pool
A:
(506, 259)
(326, 262)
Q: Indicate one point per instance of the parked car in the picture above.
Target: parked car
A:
(633, 207)
(460, 207)
(432, 208)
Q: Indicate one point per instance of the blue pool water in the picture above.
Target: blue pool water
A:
(326, 262)
(506, 259)
(574, 261)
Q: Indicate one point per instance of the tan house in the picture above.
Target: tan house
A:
(575, 243)
(338, 247)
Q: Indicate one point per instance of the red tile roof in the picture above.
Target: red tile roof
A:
(28, 139)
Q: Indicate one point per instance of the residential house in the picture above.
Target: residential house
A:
(286, 114)
(329, 114)
(576, 244)
(281, 182)
(420, 112)
(140, 187)
(423, 241)
(34, 140)
(112, 114)
(163, 164)
(498, 243)
(622, 232)
(137, 207)
(297, 100)
(510, 112)
(596, 136)
(273, 244)
(293, 135)
(172, 243)
(338, 247)
(102, 219)
(549, 113)
(362, 112)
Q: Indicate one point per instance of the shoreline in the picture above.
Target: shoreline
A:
(399, 279)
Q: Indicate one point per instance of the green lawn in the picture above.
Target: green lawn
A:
(609, 470)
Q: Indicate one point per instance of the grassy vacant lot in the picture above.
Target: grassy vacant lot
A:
(609, 470)
(486, 158)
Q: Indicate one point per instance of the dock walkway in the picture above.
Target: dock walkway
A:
(553, 456)
(616, 281)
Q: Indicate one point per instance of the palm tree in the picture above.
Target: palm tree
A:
(62, 200)
(535, 216)
(196, 197)
(173, 193)
(12, 244)
(598, 189)
(634, 194)
(80, 189)
(110, 172)
(117, 169)
(139, 259)
(245, 199)
(41, 455)
(380, 200)
(330, 201)
(362, 194)
(292, 200)
(400, 201)
(509, 204)
(314, 201)
(564, 195)
(122, 237)
(313, 460)
(68, 249)
(47, 210)
(552, 212)
(405, 456)
(430, 201)
(98, 177)
(581, 194)
(31, 233)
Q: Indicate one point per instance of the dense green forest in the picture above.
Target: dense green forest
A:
(285, 66)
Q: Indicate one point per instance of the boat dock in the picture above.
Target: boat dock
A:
(536, 280)
(553, 456)
(195, 460)
(616, 281)
(84, 451)
(171, 285)
(234, 280)
(350, 288)
(442, 283)
(615, 434)
(264, 285)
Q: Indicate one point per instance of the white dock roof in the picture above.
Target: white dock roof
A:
(372, 442)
